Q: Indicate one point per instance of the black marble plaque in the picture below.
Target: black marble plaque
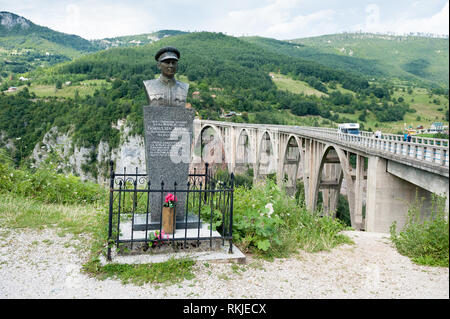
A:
(168, 136)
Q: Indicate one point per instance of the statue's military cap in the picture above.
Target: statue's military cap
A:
(167, 53)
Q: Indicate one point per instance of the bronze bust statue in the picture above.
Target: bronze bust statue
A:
(166, 90)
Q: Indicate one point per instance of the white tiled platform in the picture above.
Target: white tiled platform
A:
(125, 232)
(217, 255)
(221, 255)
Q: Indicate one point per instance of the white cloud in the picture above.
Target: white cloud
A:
(437, 24)
(73, 17)
(108, 20)
(280, 19)
(401, 24)
(301, 26)
(89, 19)
(373, 15)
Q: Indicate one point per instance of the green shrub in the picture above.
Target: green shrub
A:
(45, 185)
(343, 210)
(239, 179)
(268, 222)
(424, 240)
(243, 180)
(6, 171)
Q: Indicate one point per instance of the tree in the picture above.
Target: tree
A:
(362, 117)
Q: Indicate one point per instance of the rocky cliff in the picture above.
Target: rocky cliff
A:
(91, 163)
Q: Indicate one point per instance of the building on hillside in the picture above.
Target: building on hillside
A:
(436, 127)
(232, 113)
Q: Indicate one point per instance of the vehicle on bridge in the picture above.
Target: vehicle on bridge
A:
(411, 131)
(349, 128)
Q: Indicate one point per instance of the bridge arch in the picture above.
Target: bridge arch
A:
(292, 159)
(209, 147)
(244, 152)
(334, 167)
(265, 163)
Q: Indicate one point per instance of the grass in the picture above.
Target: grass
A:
(426, 109)
(284, 82)
(171, 271)
(420, 100)
(91, 219)
(22, 212)
(23, 207)
(84, 88)
(424, 240)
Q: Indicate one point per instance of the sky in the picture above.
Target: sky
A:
(279, 19)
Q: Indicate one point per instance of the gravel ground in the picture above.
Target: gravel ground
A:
(40, 264)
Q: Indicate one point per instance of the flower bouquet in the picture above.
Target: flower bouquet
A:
(170, 201)
(168, 213)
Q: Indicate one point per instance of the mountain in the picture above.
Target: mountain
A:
(362, 66)
(25, 46)
(12, 26)
(420, 59)
(135, 40)
(417, 59)
(227, 72)
(214, 58)
(83, 99)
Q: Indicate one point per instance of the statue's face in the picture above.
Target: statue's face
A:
(168, 67)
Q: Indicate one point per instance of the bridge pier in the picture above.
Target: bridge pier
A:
(389, 197)
(313, 162)
(358, 186)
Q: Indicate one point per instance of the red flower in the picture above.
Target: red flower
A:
(170, 200)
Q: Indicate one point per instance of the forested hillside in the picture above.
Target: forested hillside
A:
(364, 67)
(237, 72)
(225, 74)
(423, 60)
(25, 46)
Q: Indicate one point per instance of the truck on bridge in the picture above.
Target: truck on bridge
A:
(349, 128)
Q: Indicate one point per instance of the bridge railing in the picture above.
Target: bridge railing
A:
(415, 139)
(430, 150)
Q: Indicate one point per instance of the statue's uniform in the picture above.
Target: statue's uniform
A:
(166, 92)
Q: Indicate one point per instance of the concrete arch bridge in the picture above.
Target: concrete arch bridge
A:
(380, 176)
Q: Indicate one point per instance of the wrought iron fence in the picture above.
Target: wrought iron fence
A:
(208, 212)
